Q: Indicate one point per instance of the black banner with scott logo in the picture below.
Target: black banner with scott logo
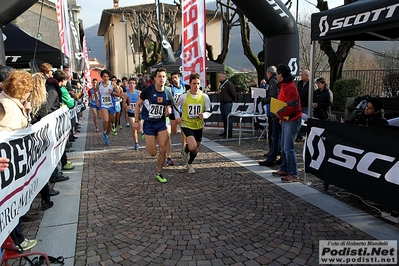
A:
(361, 160)
(359, 20)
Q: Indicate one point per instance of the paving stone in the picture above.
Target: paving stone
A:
(224, 214)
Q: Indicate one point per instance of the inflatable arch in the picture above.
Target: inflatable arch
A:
(276, 23)
(270, 17)
(9, 11)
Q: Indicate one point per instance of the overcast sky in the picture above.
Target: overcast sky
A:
(92, 9)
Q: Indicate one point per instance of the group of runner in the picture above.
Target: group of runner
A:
(155, 112)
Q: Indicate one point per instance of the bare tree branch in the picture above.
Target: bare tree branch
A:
(336, 58)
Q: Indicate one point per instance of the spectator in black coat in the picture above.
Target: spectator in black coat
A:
(226, 97)
(274, 130)
(141, 82)
(371, 116)
(322, 100)
(40, 110)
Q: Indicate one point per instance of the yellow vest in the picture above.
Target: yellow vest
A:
(191, 108)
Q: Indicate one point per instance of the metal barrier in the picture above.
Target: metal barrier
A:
(377, 83)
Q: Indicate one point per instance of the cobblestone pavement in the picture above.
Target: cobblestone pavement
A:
(255, 150)
(223, 214)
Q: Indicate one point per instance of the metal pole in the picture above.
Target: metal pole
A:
(2, 50)
(139, 39)
(310, 96)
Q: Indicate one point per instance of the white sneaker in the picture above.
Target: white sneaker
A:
(27, 244)
(190, 169)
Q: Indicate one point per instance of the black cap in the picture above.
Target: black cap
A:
(5, 72)
(139, 74)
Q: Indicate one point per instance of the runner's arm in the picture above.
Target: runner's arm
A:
(137, 109)
(179, 103)
(208, 107)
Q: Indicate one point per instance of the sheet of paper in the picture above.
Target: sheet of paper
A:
(258, 92)
(276, 105)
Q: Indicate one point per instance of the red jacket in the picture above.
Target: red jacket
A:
(289, 94)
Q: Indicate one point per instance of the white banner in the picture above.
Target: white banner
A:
(194, 40)
(34, 153)
(87, 75)
(72, 112)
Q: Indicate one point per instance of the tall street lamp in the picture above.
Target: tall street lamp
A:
(135, 28)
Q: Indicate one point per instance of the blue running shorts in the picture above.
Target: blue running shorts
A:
(152, 128)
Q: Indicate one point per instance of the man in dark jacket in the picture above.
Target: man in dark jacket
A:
(55, 100)
(141, 82)
(227, 96)
(303, 89)
(274, 122)
(371, 116)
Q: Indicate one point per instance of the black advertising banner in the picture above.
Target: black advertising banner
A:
(20, 49)
(360, 20)
(361, 160)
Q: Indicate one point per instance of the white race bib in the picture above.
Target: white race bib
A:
(176, 96)
(194, 110)
(106, 100)
(156, 111)
(132, 106)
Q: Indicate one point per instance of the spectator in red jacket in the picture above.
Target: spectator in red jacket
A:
(290, 117)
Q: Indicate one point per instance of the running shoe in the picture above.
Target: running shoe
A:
(115, 133)
(68, 167)
(169, 162)
(279, 173)
(136, 146)
(120, 127)
(105, 138)
(142, 136)
(289, 179)
(96, 130)
(161, 178)
(190, 169)
(27, 244)
(113, 129)
(127, 124)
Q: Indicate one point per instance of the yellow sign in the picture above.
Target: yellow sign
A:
(276, 105)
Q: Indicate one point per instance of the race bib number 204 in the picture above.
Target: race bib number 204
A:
(156, 111)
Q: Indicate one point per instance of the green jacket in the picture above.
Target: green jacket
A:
(66, 98)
